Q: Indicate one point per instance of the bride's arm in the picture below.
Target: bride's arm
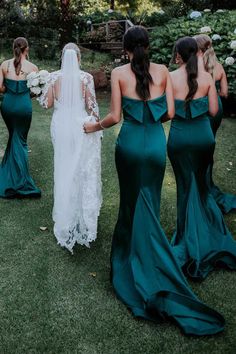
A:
(50, 97)
(90, 97)
(46, 99)
(115, 114)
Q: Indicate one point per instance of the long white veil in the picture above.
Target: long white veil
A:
(68, 143)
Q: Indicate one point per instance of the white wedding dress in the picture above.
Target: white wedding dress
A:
(77, 156)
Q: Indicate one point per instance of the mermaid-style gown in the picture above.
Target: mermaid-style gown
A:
(145, 273)
(16, 109)
(225, 201)
(202, 239)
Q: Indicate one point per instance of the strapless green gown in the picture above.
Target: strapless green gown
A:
(145, 273)
(225, 201)
(202, 240)
(16, 110)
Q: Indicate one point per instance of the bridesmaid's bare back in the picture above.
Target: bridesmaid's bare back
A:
(127, 80)
(180, 85)
(9, 72)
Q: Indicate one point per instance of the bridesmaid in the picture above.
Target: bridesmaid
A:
(202, 239)
(145, 273)
(16, 109)
(207, 61)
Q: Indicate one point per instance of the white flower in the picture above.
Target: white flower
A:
(32, 75)
(43, 72)
(207, 10)
(216, 37)
(34, 82)
(229, 61)
(32, 79)
(195, 14)
(36, 90)
(43, 76)
(233, 45)
(205, 29)
(220, 10)
(161, 12)
(110, 11)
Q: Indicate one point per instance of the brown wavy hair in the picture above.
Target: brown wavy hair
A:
(19, 46)
(136, 41)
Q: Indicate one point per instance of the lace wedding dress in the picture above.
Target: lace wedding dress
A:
(77, 156)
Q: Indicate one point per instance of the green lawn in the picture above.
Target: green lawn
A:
(50, 302)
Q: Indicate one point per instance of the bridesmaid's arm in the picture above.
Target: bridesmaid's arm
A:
(2, 87)
(114, 116)
(223, 84)
(169, 98)
(213, 99)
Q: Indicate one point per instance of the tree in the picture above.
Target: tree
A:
(112, 4)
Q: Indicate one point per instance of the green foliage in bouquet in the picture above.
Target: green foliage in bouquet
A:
(220, 26)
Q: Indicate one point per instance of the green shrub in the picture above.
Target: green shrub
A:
(221, 23)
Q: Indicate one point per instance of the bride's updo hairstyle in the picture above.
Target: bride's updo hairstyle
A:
(136, 41)
(74, 47)
(204, 43)
(187, 49)
(20, 44)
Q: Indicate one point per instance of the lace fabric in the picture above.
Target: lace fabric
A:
(87, 88)
(77, 166)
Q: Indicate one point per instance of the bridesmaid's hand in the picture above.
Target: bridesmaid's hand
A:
(3, 89)
(91, 127)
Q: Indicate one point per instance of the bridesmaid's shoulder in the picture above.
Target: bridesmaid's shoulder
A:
(120, 71)
(174, 73)
(5, 64)
(121, 68)
(31, 66)
(219, 68)
(159, 67)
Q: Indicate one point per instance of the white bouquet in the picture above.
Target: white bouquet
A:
(36, 81)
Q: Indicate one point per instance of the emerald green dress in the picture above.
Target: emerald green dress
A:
(225, 201)
(16, 110)
(145, 273)
(202, 240)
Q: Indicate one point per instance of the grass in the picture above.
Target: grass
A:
(49, 301)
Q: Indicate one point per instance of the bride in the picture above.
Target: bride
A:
(77, 156)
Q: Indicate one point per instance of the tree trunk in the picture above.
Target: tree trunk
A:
(66, 24)
(112, 4)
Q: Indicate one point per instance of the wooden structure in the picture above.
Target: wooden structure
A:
(113, 34)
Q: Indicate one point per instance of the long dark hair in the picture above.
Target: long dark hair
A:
(136, 41)
(19, 46)
(187, 48)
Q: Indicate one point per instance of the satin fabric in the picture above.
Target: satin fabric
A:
(226, 201)
(202, 241)
(145, 273)
(16, 110)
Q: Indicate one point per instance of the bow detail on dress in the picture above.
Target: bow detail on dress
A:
(134, 108)
(193, 109)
